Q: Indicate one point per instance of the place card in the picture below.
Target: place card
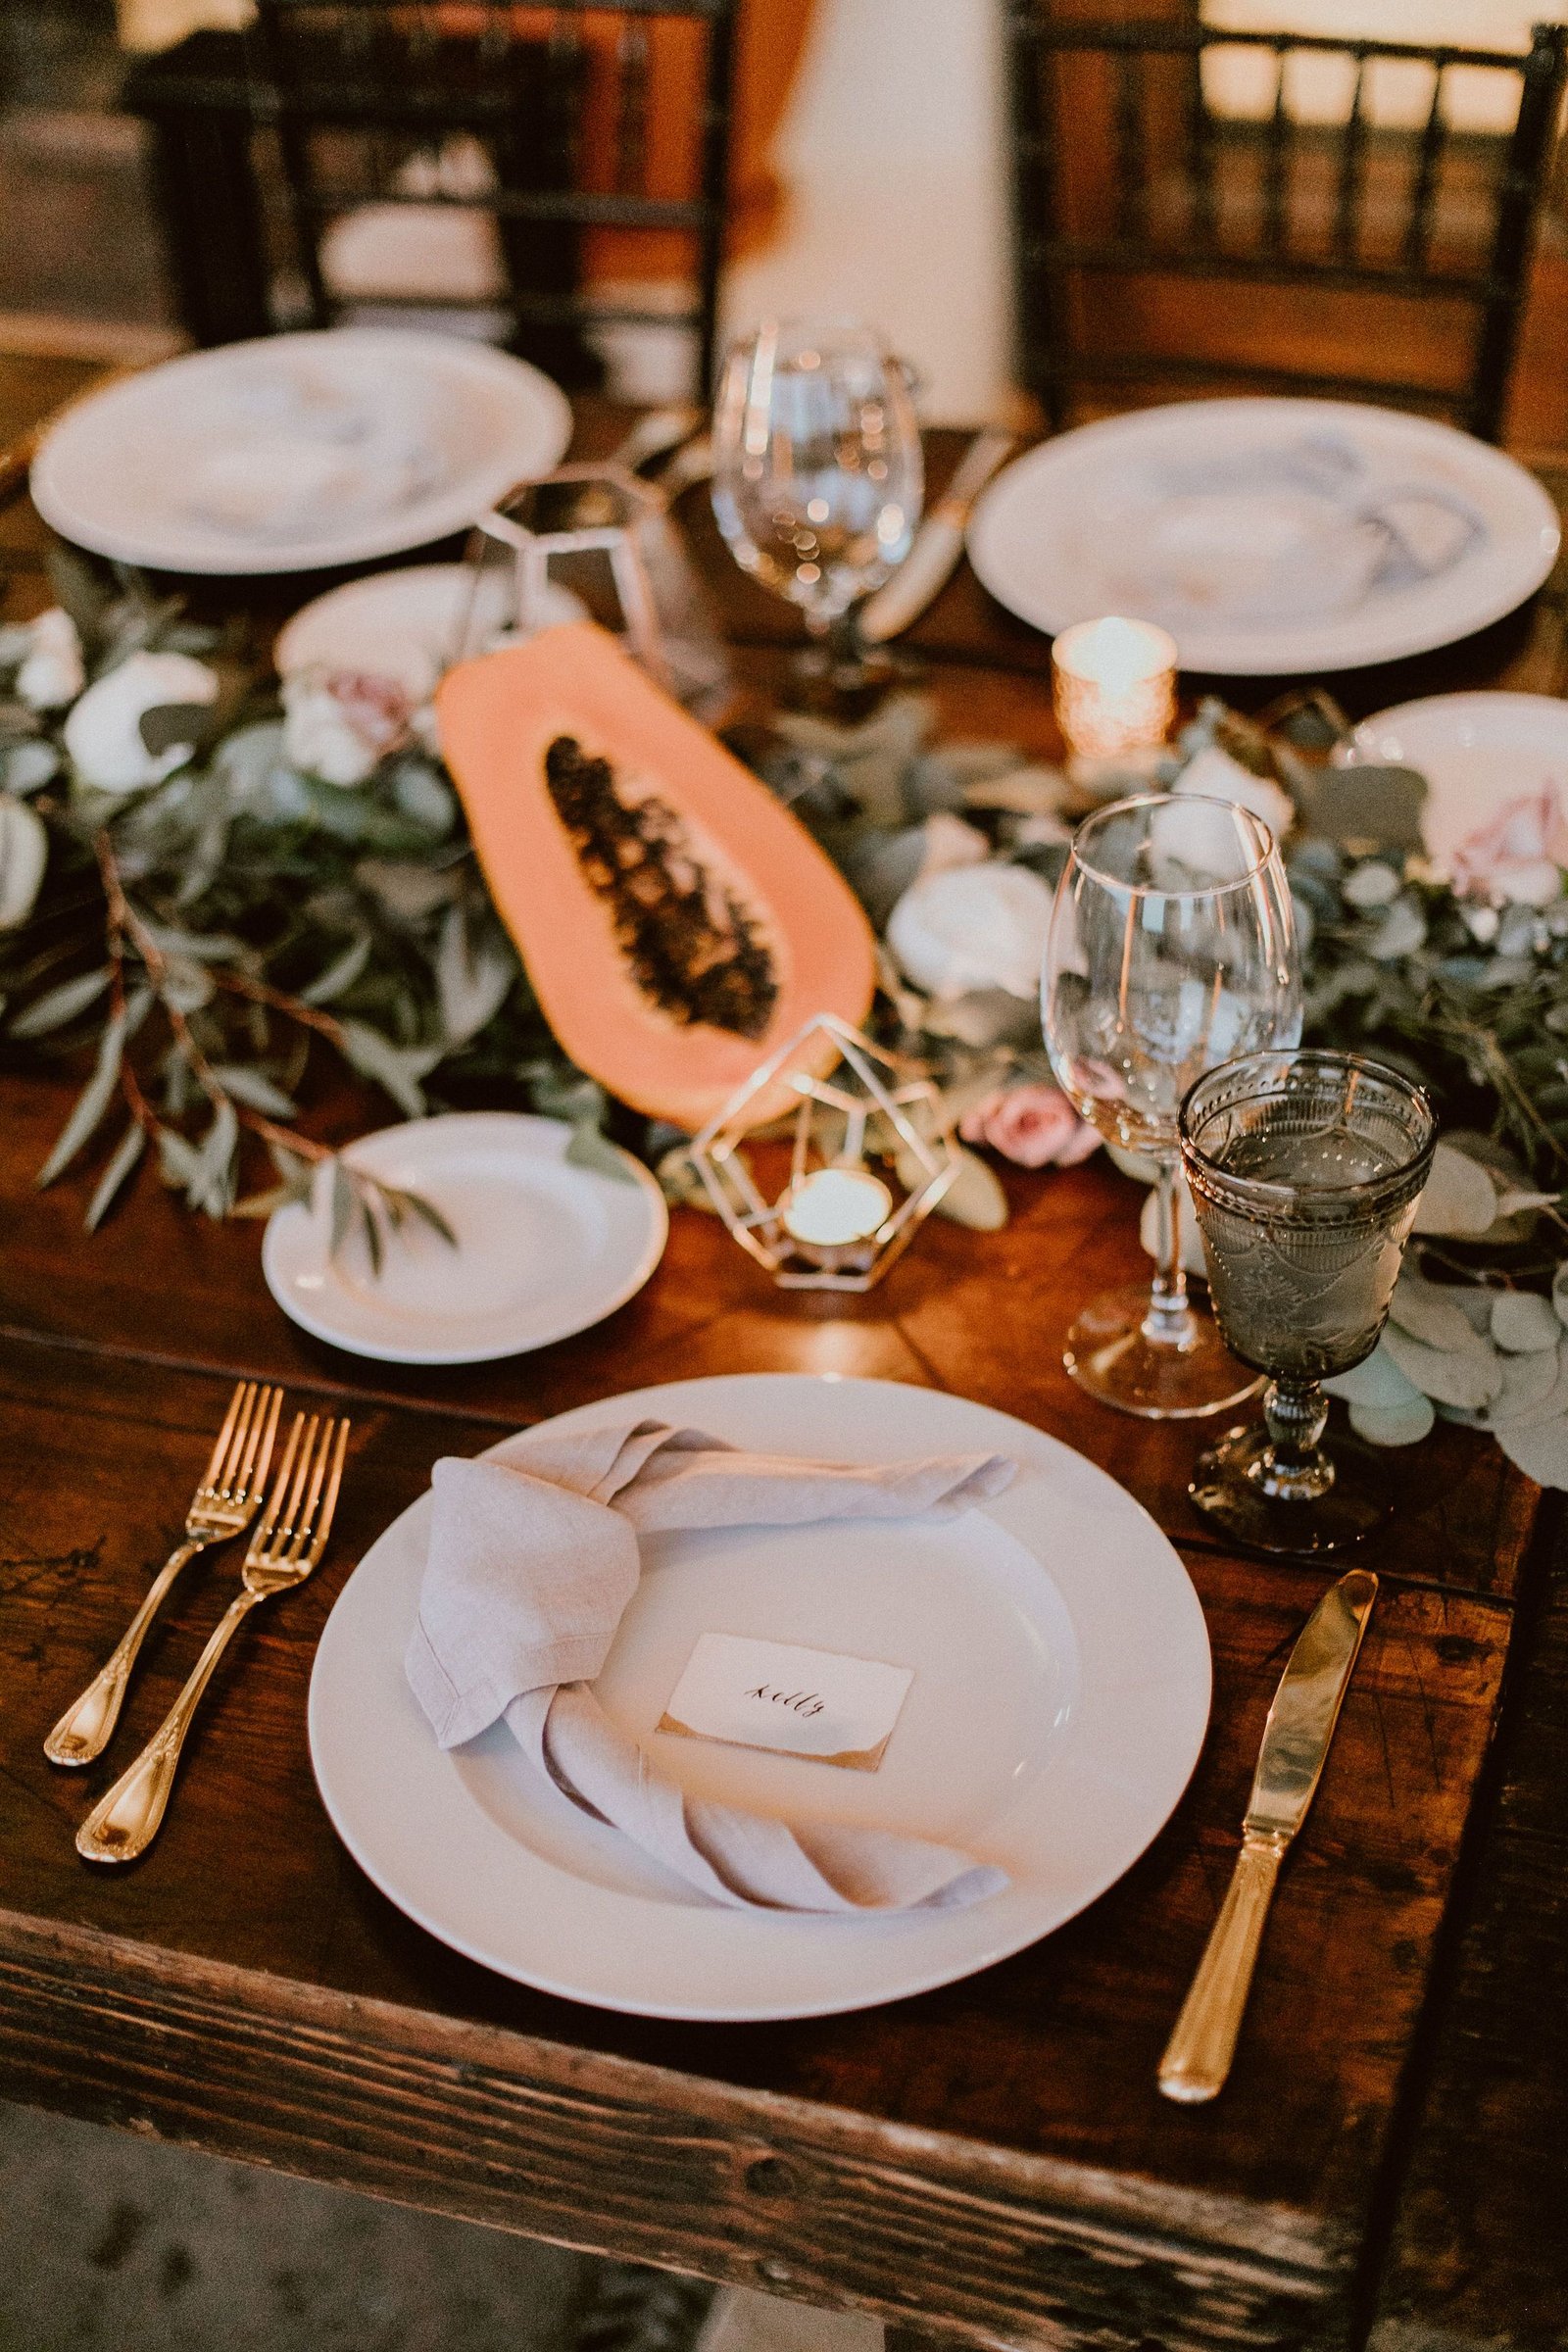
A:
(792, 1701)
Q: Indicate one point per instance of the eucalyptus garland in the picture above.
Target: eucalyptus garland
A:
(215, 891)
(184, 902)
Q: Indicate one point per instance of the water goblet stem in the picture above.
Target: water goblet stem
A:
(1170, 1321)
(1294, 1466)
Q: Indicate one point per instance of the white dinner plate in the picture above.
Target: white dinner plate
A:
(1478, 753)
(298, 452)
(1061, 1695)
(544, 1247)
(1269, 536)
(410, 624)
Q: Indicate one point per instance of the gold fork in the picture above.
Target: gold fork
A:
(223, 1506)
(286, 1546)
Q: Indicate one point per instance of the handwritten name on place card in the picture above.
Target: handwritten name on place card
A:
(796, 1702)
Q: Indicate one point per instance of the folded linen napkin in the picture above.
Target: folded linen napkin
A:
(532, 1562)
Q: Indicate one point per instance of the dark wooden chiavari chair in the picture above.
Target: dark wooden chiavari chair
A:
(1166, 235)
(588, 134)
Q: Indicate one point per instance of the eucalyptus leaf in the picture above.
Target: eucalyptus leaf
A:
(265, 1204)
(396, 1069)
(341, 973)
(197, 947)
(974, 1197)
(417, 1205)
(179, 1161)
(62, 1005)
(342, 1208)
(589, 1149)
(253, 1088)
(212, 1186)
(471, 979)
(91, 1104)
(186, 985)
(127, 1153)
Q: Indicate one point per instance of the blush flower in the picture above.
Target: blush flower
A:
(1035, 1125)
(340, 725)
(1519, 856)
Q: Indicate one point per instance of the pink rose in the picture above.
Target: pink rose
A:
(1035, 1125)
(340, 724)
(1516, 855)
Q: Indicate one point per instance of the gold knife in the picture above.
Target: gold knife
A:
(1289, 1764)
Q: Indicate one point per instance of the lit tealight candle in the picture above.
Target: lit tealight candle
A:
(834, 1207)
(1115, 686)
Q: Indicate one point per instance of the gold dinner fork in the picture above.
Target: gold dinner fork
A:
(223, 1506)
(286, 1546)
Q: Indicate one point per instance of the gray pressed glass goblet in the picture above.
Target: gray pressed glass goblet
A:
(1305, 1168)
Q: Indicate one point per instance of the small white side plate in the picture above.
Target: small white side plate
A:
(1478, 753)
(544, 1248)
(1061, 1695)
(406, 624)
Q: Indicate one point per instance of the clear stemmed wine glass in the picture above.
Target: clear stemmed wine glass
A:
(1172, 947)
(1305, 1169)
(817, 475)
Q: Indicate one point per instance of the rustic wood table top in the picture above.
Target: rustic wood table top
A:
(991, 2162)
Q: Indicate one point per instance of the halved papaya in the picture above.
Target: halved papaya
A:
(677, 923)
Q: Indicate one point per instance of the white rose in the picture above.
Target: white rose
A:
(24, 855)
(103, 733)
(340, 727)
(973, 926)
(52, 673)
(1219, 777)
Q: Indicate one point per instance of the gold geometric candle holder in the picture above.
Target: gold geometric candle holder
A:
(870, 1154)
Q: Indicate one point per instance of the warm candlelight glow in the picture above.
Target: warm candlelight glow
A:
(835, 1205)
(1115, 686)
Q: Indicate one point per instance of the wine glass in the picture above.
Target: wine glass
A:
(817, 476)
(1172, 948)
(1305, 1169)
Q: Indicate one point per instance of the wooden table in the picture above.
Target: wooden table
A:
(991, 2162)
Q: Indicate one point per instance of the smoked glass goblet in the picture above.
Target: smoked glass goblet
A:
(1305, 1168)
(1172, 948)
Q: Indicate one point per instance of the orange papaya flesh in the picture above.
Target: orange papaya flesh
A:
(677, 924)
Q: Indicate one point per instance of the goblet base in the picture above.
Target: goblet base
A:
(1224, 1489)
(1109, 1356)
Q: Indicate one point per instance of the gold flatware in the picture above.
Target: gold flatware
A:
(221, 1507)
(288, 1544)
(1289, 1764)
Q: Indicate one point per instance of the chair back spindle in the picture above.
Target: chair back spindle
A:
(1206, 207)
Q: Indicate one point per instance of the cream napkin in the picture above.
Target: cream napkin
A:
(533, 1558)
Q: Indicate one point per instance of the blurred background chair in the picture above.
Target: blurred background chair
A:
(476, 159)
(1208, 209)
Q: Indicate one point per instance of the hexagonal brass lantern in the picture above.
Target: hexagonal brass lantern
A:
(870, 1154)
(548, 551)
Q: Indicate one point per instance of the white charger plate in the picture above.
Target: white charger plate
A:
(1060, 1697)
(1242, 526)
(1477, 752)
(115, 474)
(544, 1247)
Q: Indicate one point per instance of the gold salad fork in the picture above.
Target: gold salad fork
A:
(286, 1546)
(223, 1506)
